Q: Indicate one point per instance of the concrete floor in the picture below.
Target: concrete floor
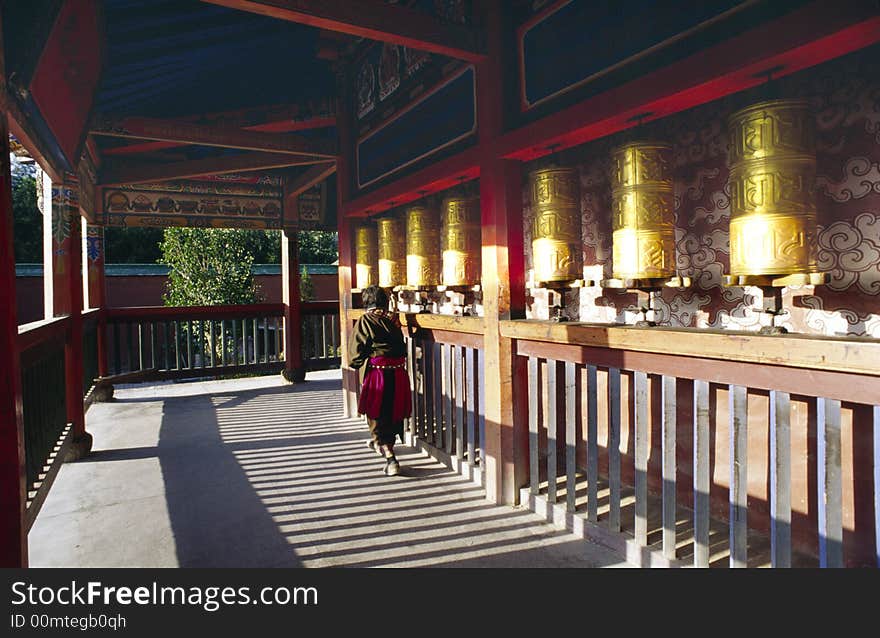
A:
(253, 473)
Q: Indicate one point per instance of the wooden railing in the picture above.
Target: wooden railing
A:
(446, 368)
(320, 335)
(41, 355)
(177, 342)
(706, 448)
(91, 326)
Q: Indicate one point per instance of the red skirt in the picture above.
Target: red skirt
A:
(373, 389)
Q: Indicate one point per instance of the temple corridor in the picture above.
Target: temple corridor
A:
(253, 473)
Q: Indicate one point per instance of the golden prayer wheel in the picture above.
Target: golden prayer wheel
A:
(642, 209)
(392, 252)
(422, 248)
(366, 255)
(462, 241)
(772, 206)
(557, 252)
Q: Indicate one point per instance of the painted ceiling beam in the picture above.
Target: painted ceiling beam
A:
(117, 172)
(374, 20)
(304, 182)
(282, 126)
(146, 128)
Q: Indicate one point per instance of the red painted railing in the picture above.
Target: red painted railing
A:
(216, 341)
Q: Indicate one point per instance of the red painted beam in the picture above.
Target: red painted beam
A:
(159, 130)
(444, 174)
(374, 20)
(809, 36)
(304, 182)
(286, 126)
(136, 173)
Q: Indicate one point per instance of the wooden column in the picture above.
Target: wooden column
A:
(503, 279)
(13, 495)
(294, 370)
(58, 244)
(67, 242)
(346, 249)
(94, 286)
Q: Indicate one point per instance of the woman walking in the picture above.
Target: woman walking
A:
(377, 348)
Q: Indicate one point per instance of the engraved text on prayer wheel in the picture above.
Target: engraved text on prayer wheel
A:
(643, 218)
(366, 255)
(392, 252)
(461, 241)
(557, 252)
(422, 247)
(772, 204)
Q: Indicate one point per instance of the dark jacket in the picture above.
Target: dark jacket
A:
(375, 335)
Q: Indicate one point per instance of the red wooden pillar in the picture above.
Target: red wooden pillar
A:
(294, 370)
(503, 277)
(13, 495)
(94, 287)
(346, 248)
(67, 299)
(58, 245)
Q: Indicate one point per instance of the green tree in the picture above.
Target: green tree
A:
(133, 245)
(306, 286)
(28, 231)
(318, 247)
(208, 267)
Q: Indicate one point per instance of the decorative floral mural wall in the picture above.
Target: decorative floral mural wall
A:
(845, 99)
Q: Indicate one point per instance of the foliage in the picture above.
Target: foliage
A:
(208, 267)
(318, 247)
(132, 245)
(306, 286)
(28, 232)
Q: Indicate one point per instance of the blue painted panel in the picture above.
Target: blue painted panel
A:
(585, 37)
(441, 118)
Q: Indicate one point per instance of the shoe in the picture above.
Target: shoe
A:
(372, 445)
(392, 467)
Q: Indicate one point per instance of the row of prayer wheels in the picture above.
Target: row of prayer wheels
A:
(773, 209)
(417, 252)
(772, 225)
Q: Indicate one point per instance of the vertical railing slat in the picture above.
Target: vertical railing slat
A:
(256, 341)
(669, 466)
(223, 343)
(592, 446)
(640, 381)
(552, 425)
(614, 449)
(189, 359)
(459, 404)
(481, 408)
(153, 344)
(534, 421)
(235, 342)
(780, 479)
(448, 416)
(117, 349)
(437, 395)
(701, 473)
(471, 380)
(140, 346)
(830, 485)
(266, 339)
(739, 440)
(166, 345)
(571, 436)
